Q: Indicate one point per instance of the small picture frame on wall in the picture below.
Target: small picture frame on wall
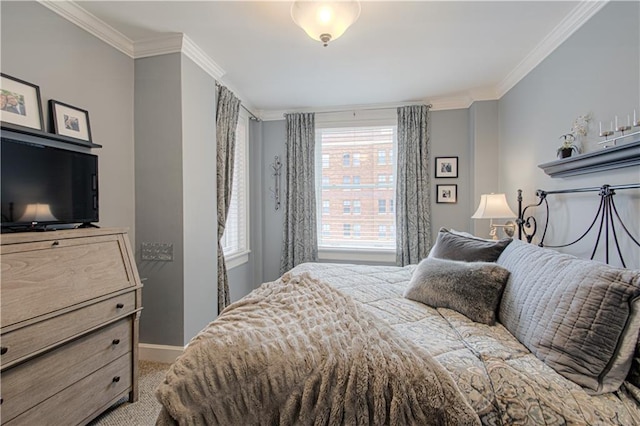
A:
(20, 103)
(69, 121)
(446, 167)
(447, 194)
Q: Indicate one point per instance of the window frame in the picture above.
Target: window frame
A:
(240, 256)
(360, 253)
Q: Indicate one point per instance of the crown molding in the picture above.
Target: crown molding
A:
(152, 46)
(75, 14)
(204, 61)
(451, 102)
(574, 20)
(157, 45)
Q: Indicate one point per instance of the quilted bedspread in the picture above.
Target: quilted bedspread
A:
(503, 382)
(299, 352)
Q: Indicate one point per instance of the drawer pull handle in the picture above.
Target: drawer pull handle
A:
(120, 305)
(116, 341)
(116, 379)
(55, 243)
(3, 350)
(1, 401)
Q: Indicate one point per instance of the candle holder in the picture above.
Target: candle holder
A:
(605, 134)
(623, 129)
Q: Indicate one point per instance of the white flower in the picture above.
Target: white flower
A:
(580, 125)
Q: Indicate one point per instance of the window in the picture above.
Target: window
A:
(325, 161)
(382, 206)
(356, 206)
(325, 206)
(235, 240)
(382, 231)
(325, 181)
(368, 148)
(391, 206)
(326, 230)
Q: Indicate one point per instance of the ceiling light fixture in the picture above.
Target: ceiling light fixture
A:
(325, 20)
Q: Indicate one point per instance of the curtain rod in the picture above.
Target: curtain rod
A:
(360, 109)
(255, 117)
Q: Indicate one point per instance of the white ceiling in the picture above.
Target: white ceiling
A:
(397, 52)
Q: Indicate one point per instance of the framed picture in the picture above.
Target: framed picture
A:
(447, 194)
(446, 167)
(20, 103)
(70, 121)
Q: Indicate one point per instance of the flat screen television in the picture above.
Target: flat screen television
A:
(43, 186)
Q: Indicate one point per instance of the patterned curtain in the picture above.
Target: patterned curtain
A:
(227, 111)
(300, 238)
(413, 188)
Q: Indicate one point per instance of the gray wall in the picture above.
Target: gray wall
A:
(200, 225)
(274, 135)
(74, 67)
(176, 197)
(159, 195)
(596, 71)
(450, 138)
(484, 155)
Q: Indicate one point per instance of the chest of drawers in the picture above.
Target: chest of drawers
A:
(70, 303)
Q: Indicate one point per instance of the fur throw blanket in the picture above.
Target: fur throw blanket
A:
(298, 352)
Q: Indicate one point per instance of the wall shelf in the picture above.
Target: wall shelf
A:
(615, 157)
(33, 135)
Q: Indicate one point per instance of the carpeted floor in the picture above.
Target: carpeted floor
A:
(145, 411)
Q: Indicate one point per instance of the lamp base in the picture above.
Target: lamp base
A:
(509, 229)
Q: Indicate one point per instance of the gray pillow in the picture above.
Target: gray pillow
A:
(471, 288)
(453, 246)
(578, 316)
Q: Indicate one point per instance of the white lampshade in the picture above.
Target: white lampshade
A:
(325, 20)
(493, 206)
(38, 213)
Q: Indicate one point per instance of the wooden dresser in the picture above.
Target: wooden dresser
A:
(70, 304)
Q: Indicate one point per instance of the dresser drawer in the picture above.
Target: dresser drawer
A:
(45, 276)
(35, 337)
(83, 399)
(30, 383)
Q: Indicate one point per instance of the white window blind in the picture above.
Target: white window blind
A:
(235, 240)
(356, 223)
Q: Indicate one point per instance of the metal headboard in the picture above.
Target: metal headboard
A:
(607, 214)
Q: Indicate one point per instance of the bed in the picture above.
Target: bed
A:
(347, 344)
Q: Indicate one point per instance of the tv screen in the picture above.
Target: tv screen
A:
(43, 185)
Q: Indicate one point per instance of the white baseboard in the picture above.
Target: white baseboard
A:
(159, 353)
